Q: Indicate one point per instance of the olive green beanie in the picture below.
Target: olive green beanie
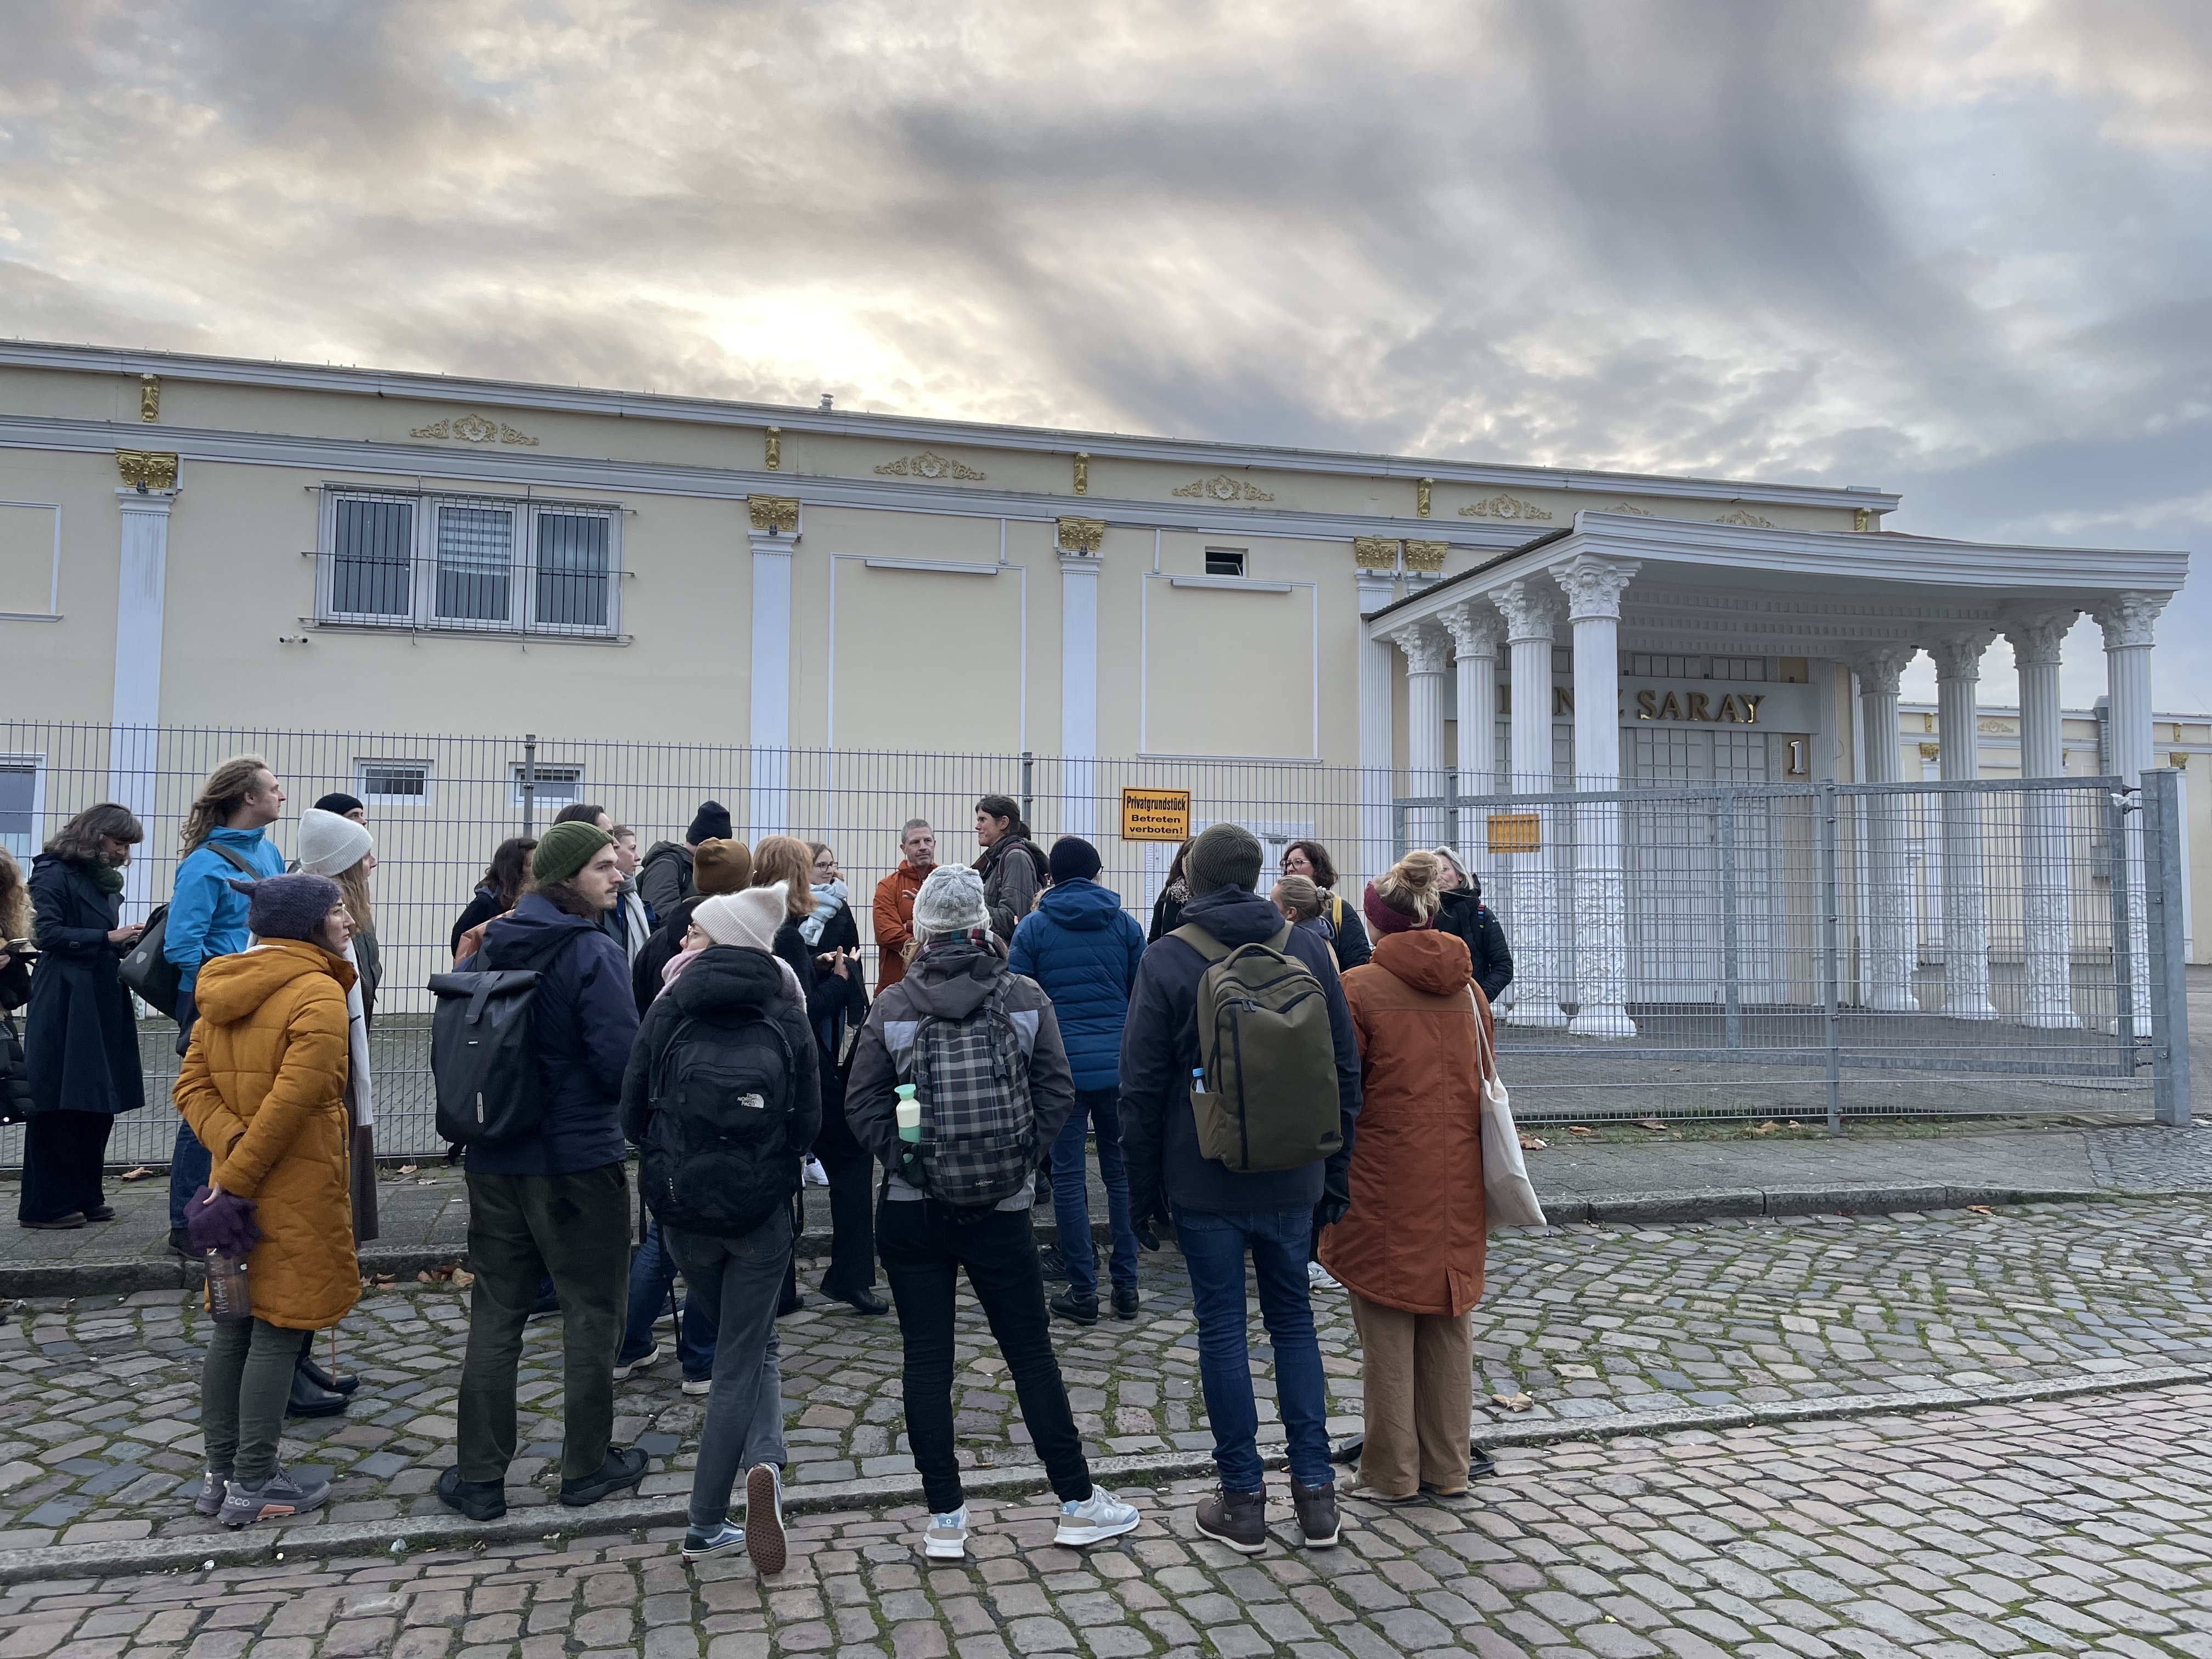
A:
(566, 848)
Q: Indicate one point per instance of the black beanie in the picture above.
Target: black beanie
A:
(1074, 858)
(711, 822)
(339, 803)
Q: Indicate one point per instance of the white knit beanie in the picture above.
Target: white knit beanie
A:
(331, 845)
(749, 918)
(951, 901)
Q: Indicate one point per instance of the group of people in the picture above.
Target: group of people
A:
(705, 1005)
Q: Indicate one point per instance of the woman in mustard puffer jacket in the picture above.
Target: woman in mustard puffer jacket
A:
(264, 1088)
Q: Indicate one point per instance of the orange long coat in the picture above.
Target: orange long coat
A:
(1413, 1238)
(894, 918)
(264, 1087)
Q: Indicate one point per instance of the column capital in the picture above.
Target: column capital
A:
(1423, 648)
(1082, 537)
(144, 471)
(773, 515)
(2037, 636)
(1593, 585)
(1475, 629)
(1878, 666)
(2129, 619)
(1959, 655)
(1530, 608)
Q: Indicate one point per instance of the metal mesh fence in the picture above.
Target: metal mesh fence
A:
(1817, 951)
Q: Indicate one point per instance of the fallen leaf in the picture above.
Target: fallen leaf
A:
(1765, 1128)
(1512, 1402)
(380, 1280)
(406, 1169)
(138, 1174)
(1795, 1124)
(1649, 1123)
(1578, 1129)
(1530, 1144)
(1977, 1209)
(463, 1279)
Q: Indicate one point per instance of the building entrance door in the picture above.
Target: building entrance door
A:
(1679, 854)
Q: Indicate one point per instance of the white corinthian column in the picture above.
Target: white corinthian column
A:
(1966, 905)
(2046, 896)
(1531, 913)
(2129, 621)
(1475, 630)
(1892, 940)
(1424, 729)
(1593, 587)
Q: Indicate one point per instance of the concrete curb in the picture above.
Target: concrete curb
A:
(547, 1522)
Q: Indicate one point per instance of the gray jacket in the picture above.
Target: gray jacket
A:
(1011, 881)
(949, 978)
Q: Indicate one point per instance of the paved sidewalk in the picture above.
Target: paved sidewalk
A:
(2074, 1528)
(99, 1403)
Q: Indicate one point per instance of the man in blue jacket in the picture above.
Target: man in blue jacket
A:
(1082, 948)
(1220, 1215)
(225, 839)
(557, 1202)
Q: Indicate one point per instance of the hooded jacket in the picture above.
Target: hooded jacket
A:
(1013, 872)
(1414, 1237)
(585, 1020)
(262, 1086)
(1466, 915)
(725, 983)
(893, 917)
(80, 1038)
(1160, 1049)
(949, 980)
(206, 915)
(1082, 948)
(665, 878)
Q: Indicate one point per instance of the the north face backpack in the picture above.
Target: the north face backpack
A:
(146, 967)
(718, 1156)
(978, 1129)
(483, 1049)
(1270, 1100)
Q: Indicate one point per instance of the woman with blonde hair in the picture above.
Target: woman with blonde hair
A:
(1410, 1249)
(82, 1037)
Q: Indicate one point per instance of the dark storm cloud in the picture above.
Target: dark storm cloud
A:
(1959, 251)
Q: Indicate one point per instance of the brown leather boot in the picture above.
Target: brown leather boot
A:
(1316, 1508)
(1238, 1519)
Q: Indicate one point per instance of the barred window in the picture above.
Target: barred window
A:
(552, 788)
(404, 783)
(472, 564)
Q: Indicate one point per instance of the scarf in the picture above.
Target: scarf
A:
(683, 959)
(829, 899)
(108, 878)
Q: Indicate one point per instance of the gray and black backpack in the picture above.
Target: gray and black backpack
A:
(978, 1144)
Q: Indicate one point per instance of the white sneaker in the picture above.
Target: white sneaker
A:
(1098, 1517)
(1317, 1278)
(623, 1373)
(697, 1386)
(815, 1175)
(946, 1538)
(698, 1545)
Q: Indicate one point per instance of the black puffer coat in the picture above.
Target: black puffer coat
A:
(81, 1036)
(1469, 918)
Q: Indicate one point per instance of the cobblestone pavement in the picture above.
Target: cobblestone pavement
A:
(99, 1400)
(2146, 1158)
(2081, 1528)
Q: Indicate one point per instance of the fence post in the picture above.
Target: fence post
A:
(1831, 1030)
(2117, 808)
(2169, 987)
(1731, 959)
(1028, 773)
(530, 783)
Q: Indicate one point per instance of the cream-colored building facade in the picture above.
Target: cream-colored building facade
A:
(191, 541)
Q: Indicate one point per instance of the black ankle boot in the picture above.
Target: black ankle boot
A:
(309, 1398)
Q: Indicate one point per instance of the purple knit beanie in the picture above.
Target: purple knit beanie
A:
(288, 906)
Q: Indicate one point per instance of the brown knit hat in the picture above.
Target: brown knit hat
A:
(721, 867)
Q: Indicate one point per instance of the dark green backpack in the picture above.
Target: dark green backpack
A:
(1270, 1099)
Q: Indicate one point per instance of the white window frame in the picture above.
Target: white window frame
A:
(37, 764)
(362, 766)
(526, 516)
(567, 772)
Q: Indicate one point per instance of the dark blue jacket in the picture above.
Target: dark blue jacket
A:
(586, 1021)
(1083, 948)
(80, 1038)
(1159, 1048)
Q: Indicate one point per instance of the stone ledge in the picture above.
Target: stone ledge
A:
(630, 1515)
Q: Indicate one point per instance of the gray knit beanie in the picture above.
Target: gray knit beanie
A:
(951, 901)
(288, 906)
(1225, 855)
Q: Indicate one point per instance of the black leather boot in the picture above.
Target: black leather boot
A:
(310, 1398)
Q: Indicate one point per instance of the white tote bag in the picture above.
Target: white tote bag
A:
(1508, 1198)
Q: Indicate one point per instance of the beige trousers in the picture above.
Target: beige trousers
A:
(1418, 1383)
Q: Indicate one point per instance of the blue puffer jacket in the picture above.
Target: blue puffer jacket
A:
(1082, 948)
(586, 1021)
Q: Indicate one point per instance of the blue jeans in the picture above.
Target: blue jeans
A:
(1214, 1248)
(1071, 1195)
(190, 1167)
(652, 1286)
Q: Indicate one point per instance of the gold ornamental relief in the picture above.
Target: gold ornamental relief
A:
(1082, 535)
(772, 449)
(1222, 488)
(1375, 552)
(149, 397)
(1744, 515)
(775, 514)
(1631, 507)
(929, 464)
(1505, 506)
(473, 429)
(1426, 556)
(1422, 488)
(146, 469)
(1082, 473)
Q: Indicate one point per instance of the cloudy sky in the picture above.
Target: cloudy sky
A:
(1960, 250)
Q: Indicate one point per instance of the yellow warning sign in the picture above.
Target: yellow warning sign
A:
(1514, 832)
(1155, 814)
